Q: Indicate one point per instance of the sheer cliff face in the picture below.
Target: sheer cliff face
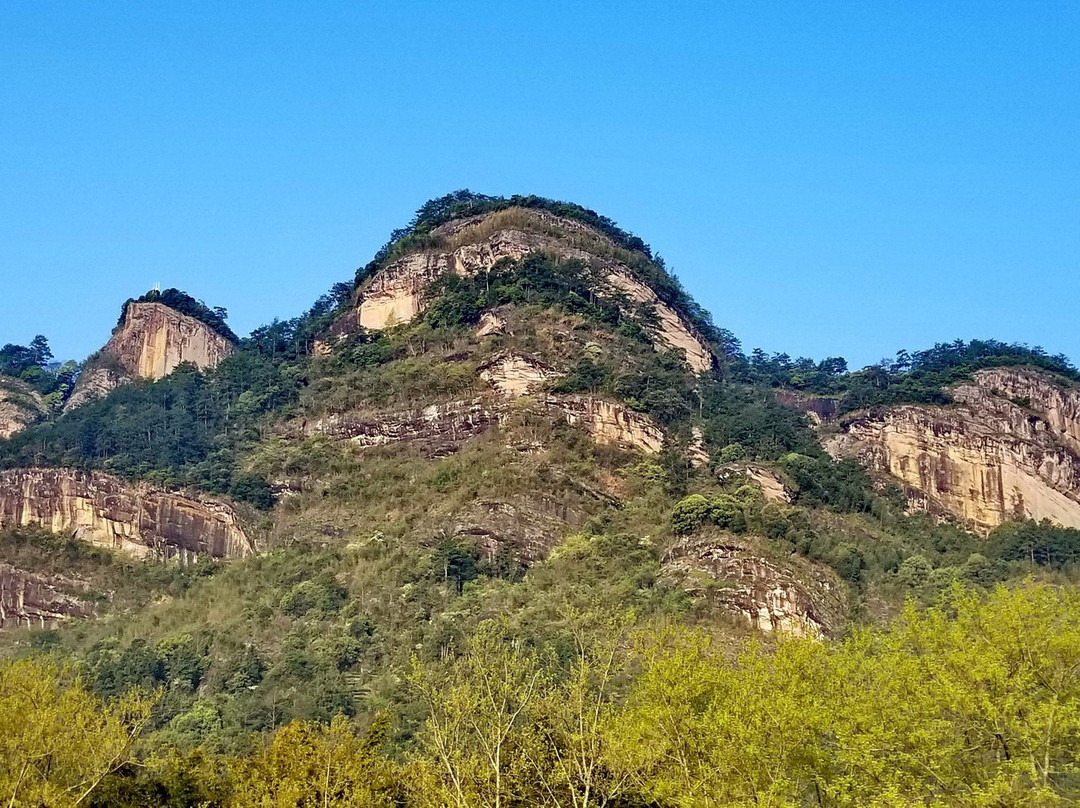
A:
(150, 343)
(395, 294)
(32, 600)
(1009, 448)
(20, 406)
(135, 518)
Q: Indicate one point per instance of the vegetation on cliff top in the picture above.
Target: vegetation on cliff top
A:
(921, 377)
(649, 268)
(184, 303)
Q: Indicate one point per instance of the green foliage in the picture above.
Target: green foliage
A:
(464, 204)
(649, 268)
(185, 304)
(974, 703)
(537, 279)
(842, 485)
(185, 429)
(32, 364)
(57, 740)
(1042, 543)
(920, 377)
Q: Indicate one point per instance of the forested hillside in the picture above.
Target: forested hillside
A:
(521, 548)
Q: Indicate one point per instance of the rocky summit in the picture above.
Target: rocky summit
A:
(513, 442)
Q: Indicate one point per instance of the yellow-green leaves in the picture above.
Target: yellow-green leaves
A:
(316, 766)
(58, 741)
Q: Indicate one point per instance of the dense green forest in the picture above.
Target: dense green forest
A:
(975, 702)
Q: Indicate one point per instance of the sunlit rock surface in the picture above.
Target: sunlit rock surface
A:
(151, 342)
(135, 518)
(1008, 449)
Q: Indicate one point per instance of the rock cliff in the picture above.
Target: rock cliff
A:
(792, 596)
(442, 427)
(20, 406)
(1008, 449)
(395, 294)
(138, 519)
(150, 342)
(32, 600)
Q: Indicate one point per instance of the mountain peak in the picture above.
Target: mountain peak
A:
(470, 236)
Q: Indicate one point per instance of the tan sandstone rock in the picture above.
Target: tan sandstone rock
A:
(395, 294)
(32, 600)
(513, 375)
(986, 459)
(792, 596)
(149, 344)
(106, 511)
(611, 423)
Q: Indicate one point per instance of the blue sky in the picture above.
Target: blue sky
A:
(827, 178)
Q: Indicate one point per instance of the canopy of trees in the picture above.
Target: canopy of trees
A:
(920, 377)
(972, 703)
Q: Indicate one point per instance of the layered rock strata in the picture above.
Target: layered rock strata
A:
(31, 600)
(150, 343)
(1008, 449)
(792, 597)
(138, 519)
(395, 294)
(442, 427)
(20, 406)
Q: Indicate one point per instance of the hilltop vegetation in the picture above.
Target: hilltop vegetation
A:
(922, 377)
(496, 614)
(184, 303)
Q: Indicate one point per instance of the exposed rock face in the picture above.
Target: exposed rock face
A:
(20, 405)
(987, 459)
(696, 452)
(39, 601)
(150, 343)
(818, 408)
(772, 486)
(1055, 404)
(490, 323)
(395, 294)
(793, 597)
(513, 375)
(672, 329)
(610, 423)
(528, 527)
(442, 427)
(135, 518)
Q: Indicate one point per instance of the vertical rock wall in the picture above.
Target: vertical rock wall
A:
(1007, 450)
(108, 512)
(150, 343)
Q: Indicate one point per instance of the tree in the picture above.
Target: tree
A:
(308, 765)
(57, 740)
(478, 708)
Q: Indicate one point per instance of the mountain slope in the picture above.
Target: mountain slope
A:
(514, 412)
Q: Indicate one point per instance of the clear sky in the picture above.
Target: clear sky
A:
(845, 178)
